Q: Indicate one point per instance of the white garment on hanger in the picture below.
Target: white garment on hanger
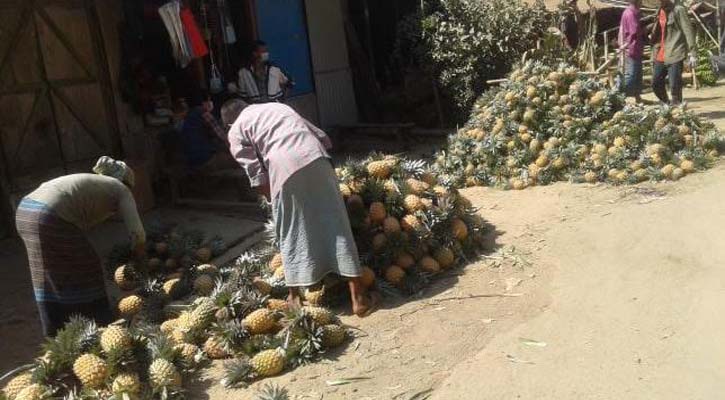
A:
(169, 13)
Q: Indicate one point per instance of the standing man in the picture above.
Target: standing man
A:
(286, 159)
(673, 41)
(631, 42)
(261, 81)
(570, 23)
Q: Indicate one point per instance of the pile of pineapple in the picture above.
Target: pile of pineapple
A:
(409, 225)
(548, 124)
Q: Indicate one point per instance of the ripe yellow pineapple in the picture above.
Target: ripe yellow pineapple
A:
(172, 288)
(622, 176)
(459, 229)
(636, 165)
(429, 178)
(277, 305)
(534, 145)
(268, 362)
(163, 373)
(668, 170)
(261, 285)
(430, 265)
(677, 173)
(390, 186)
(517, 184)
(404, 260)
(391, 225)
(260, 321)
(345, 190)
(417, 187)
(315, 297)
(368, 277)
(33, 392)
(591, 177)
(687, 166)
(275, 262)
(559, 163)
(322, 316)
(410, 223)
(395, 275)
(214, 349)
(445, 257)
(208, 269)
(542, 161)
(379, 169)
(534, 171)
(115, 337)
(17, 384)
(188, 352)
(126, 383)
(525, 137)
(412, 203)
(279, 273)
(123, 276)
(203, 285)
(333, 335)
(130, 305)
(91, 370)
(641, 175)
(440, 190)
(377, 212)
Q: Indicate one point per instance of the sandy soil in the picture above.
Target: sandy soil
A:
(586, 292)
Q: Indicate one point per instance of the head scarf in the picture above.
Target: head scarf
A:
(115, 169)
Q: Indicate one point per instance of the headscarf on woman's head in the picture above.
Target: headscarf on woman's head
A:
(115, 169)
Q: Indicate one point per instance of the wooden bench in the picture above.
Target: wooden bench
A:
(401, 132)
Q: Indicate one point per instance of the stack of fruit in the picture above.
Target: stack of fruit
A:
(550, 124)
(408, 224)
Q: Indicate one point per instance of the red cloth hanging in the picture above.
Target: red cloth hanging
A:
(193, 34)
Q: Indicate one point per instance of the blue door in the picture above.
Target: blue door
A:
(281, 24)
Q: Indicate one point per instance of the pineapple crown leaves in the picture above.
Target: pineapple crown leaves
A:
(160, 346)
(373, 190)
(232, 334)
(303, 338)
(79, 335)
(272, 392)
(411, 168)
(237, 373)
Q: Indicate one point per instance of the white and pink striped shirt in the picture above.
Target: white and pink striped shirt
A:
(272, 142)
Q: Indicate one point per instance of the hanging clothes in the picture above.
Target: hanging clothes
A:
(170, 15)
(193, 34)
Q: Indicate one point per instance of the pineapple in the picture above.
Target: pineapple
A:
(429, 178)
(275, 262)
(641, 175)
(273, 392)
(321, 315)
(130, 305)
(459, 229)
(445, 257)
(345, 190)
(188, 352)
(203, 254)
(260, 321)
(115, 337)
(33, 392)
(368, 277)
(277, 305)
(411, 223)
(355, 202)
(395, 275)
(379, 169)
(412, 203)
(202, 315)
(391, 225)
(430, 265)
(668, 170)
(315, 297)
(268, 362)
(518, 184)
(377, 212)
(214, 348)
(173, 288)
(17, 384)
(379, 242)
(687, 166)
(404, 261)
(559, 163)
(126, 383)
(417, 187)
(262, 285)
(91, 370)
(677, 173)
(542, 161)
(125, 277)
(203, 285)
(163, 373)
(279, 273)
(208, 269)
(333, 335)
(591, 177)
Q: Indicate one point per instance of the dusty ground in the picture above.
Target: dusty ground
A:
(587, 292)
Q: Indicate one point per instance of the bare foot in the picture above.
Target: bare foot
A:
(365, 305)
(294, 301)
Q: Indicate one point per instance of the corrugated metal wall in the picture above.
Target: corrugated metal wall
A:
(331, 66)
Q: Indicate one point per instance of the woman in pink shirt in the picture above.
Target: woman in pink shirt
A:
(286, 159)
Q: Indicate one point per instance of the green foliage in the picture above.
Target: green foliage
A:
(471, 41)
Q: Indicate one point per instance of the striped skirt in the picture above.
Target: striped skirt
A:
(65, 269)
(313, 228)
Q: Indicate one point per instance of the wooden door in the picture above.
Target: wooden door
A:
(57, 114)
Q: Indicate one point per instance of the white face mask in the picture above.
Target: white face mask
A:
(264, 57)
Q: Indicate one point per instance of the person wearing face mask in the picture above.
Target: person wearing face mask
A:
(261, 81)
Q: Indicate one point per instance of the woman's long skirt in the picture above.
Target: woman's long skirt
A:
(65, 269)
(313, 228)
